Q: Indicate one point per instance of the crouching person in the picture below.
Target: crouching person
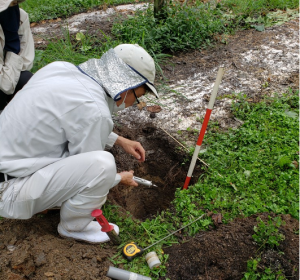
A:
(54, 133)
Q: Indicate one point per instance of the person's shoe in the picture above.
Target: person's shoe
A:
(92, 233)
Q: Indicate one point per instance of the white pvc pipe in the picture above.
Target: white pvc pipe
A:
(121, 274)
(204, 125)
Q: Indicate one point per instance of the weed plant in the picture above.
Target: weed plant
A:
(75, 49)
(192, 26)
(269, 273)
(198, 25)
(41, 9)
(267, 234)
(186, 27)
(257, 7)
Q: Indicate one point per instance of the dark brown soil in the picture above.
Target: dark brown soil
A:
(223, 253)
(32, 249)
(163, 167)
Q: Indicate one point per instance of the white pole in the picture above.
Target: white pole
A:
(204, 126)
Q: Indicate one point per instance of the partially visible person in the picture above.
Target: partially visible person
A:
(54, 135)
(16, 50)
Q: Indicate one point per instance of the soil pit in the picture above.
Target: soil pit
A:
(163, 166)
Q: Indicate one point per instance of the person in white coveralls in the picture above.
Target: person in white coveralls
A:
(16, 50)
(53, 136)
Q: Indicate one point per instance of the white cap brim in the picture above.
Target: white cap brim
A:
(153, 89)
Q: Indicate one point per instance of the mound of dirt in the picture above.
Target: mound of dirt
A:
(223, 253)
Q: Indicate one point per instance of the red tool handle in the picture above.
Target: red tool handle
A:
(105, 226)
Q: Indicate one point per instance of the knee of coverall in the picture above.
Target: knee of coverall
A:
(103, 168)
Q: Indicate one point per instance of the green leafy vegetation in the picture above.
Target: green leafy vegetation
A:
(268, 234)
(249, 172)
(253, 8)
(42, 9)
(250, 159)
(186, 27)
(74, 49)
(199, 24)
(268, 274)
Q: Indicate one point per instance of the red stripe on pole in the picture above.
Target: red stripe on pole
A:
(204, 125)
(203, 128)
(186, 183)
(199, 142)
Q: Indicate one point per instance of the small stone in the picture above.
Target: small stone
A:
(14, 276)
(40, 259)
(11, 248)
(49, 274)
(152, 115)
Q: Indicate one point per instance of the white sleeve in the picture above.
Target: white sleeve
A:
(10, 72)
(111, 139)
(11, 67)
(117, 180)
(26, 41)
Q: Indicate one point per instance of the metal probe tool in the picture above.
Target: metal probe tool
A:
(144, 182)
(132, 250)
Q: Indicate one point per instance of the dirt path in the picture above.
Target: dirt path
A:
(257, 63)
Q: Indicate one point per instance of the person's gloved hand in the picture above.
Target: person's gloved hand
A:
(10, 23)
(132, 147)
(127, 178)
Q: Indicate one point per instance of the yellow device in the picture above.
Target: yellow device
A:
(132, 250)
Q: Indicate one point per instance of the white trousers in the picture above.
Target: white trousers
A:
(79, 184)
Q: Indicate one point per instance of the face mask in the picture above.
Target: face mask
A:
(122, 105)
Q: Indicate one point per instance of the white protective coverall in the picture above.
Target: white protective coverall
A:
(52, 138)
(13, 64)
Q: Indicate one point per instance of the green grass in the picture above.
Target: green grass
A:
(198, 25)
(43, 9)
(269, 273)
(186, 27)
(193, 26)
(258, 159)
(267, 236)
